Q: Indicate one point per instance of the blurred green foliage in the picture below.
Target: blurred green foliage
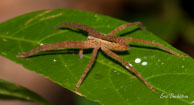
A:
(165, 18)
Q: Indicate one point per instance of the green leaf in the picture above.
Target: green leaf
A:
(83, 101)
(11, 91)
(108, 83)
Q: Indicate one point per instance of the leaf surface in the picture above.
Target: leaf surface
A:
(108, 82)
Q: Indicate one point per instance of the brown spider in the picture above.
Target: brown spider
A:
(106, 43)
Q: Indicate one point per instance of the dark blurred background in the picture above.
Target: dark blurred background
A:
(171, 20)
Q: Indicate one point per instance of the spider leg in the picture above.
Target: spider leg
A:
(94, 54)
(60, 45)
(138, 23)
(115, 56)
(155, 44)
(81, 53)
(80, 26)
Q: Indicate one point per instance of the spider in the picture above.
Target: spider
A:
(97, 40)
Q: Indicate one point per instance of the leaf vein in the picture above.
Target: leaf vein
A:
(117, 91)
